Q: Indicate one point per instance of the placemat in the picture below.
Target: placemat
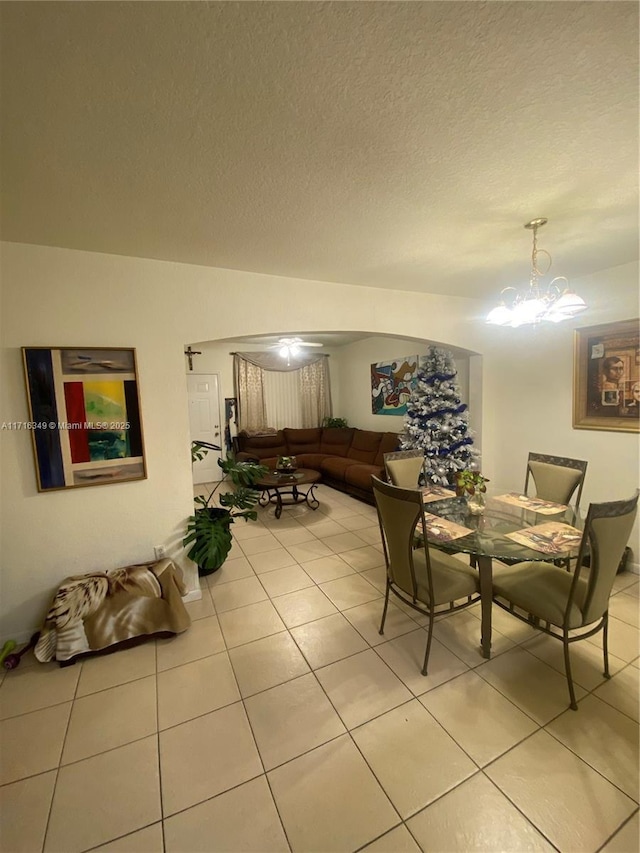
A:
(534, 504)
(442, 530)
(553, 537)
(436, 493)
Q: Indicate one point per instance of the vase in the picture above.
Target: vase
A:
(475, 503)
(286, 464)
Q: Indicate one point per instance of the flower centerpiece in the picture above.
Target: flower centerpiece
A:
(286, 464)
(472, 486)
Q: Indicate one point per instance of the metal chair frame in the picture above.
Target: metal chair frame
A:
(412, 496)
(611, 509)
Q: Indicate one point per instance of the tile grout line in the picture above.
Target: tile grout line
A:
(159, 749)
(518, 809)
(616, 831)
(59, 767)
(341, 612)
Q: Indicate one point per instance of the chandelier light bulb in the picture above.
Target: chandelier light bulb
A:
(569, 304)
(500, 316)
(537, 304)
(528, 311)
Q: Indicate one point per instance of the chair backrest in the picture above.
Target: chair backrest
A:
(607, 530)
(556, 477)
(404, 467)
(399, 510)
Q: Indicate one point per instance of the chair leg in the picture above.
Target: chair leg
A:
(605, 644)
(429, 637)
(384, 611)
(567, 666)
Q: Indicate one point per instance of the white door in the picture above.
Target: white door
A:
(204, 419)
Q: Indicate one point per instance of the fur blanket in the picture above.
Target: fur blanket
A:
(94, 611)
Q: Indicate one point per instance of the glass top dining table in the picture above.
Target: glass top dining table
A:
(488, 539)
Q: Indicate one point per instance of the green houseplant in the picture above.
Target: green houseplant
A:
(335, 422)
(209, 528)
(472, 486)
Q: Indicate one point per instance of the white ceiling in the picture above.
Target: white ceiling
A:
(400, 145)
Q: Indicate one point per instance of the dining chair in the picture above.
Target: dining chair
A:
(559, 603)
(423, 580)
(403, 467)
(555, 478)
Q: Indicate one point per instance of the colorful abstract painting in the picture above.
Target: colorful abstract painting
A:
(84, 411)
(391, 385)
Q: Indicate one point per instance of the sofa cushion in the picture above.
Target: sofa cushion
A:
(302, 440)
(310, 460)
(390, 442)
(336, 440)
(270, 461)
(360, 475)
(364, 446)
(250, 456)
(248, 442)
(262, 446)
(335, 466)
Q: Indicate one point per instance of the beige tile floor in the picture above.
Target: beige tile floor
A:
(283, 721)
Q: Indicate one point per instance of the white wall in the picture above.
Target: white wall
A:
(352, 370)
(528, 397)
(349, 366)
(57, 297)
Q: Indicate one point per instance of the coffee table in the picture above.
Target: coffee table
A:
(276, 486)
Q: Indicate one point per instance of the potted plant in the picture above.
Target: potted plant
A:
(286, 464)
(209, 528)
(472, 486)
(339, 423)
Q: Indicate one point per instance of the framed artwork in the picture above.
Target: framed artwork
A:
(84, 410)
(606, 377)
(391, 385)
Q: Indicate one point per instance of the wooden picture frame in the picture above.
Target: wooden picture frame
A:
(606, 377)
(84, 416)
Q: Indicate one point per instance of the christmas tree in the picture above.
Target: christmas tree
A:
(437, 422)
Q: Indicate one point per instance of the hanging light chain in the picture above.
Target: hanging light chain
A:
(553, 304)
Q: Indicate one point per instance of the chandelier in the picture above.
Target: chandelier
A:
(537, 304)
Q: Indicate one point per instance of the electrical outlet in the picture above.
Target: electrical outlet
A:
(158, 550)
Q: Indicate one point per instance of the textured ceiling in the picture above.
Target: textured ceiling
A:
(398, 145)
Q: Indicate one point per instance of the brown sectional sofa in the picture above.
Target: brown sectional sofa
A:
(346, 458)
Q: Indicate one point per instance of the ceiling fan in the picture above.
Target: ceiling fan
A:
(291, 346)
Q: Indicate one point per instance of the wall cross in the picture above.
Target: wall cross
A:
(190, 354)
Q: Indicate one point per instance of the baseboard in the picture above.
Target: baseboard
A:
(192, 595)
(634, 568)
(22, 638)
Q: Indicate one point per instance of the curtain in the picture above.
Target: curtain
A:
(282, 399)
(251, 410)
(315, 393)
(272, 392)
